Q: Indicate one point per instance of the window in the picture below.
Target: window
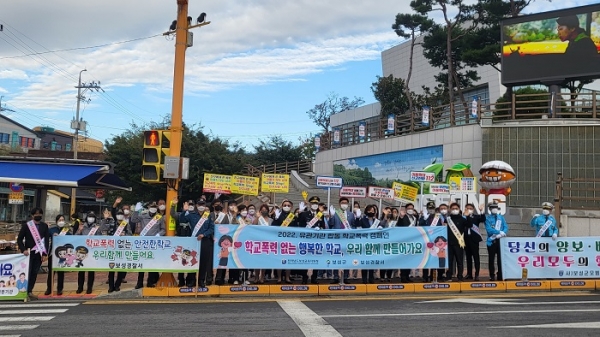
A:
(58, 147)
(4, 138)
(26, 142)
(30, 143)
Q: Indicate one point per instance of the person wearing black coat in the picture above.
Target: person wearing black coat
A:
(408, 218)
(28, 246)
(472, 239)
(280, 216)
(455, 251)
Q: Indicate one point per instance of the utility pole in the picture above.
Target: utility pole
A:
(182, 41)
(78, 124)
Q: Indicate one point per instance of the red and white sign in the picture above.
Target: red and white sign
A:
(353, 192)
(329, 182)
(380, 192)
(16, 187)
(422, 177)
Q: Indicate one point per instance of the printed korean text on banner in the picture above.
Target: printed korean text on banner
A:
(544, 258)
(353, 192)
(391, 121)
(474, 107)
(336, 136)
(125, 253)
(380, 193)
(405, 193)
(362, 130)
(216, 183)
(439, 188)
(275, 183)
(423, 177)
(14, 276)
(462, 184)
(318, 141)
(244, 185)
(329, 182)
(267, 247)
(425, 116)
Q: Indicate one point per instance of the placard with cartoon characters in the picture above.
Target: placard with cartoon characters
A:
(14, 276)
(125, 253)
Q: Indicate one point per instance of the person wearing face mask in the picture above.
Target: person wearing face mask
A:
(227, 218)
(429, 218)
(341, 218)
(262, 219)
(407, 218)
(61, 227)
(34, 241)
(188, 218)
(162, 207)
(91, 227)
(251, 214)
(285, 218)
(205, 236)
(312, 218)
(545, 224)
(218, 217)
(472, 239)
(121, 228)
(456, 242)
(496, 228)
(126, 214)
(443, 221)
(368, 220)
(149, 224)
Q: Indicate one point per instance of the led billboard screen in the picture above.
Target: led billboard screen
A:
(551, 47)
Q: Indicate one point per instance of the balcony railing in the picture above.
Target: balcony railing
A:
(521, 107)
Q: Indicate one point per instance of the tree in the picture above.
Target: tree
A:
(453, 31)
(333, 104)
(525, 108)
(391, 94)
(408, 26)
(276, 150)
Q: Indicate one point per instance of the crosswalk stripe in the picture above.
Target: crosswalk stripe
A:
(10, 335)
(26, 319)
(18, 327)
(38, 305)
(32, 311)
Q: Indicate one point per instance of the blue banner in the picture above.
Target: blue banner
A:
(543, 258)
(265, 247)
(125, 253)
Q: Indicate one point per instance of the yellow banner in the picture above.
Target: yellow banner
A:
(405, 193)
(217, 183)
(244, 185)
(276, 183)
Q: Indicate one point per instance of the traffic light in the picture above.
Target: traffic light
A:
(157, 144)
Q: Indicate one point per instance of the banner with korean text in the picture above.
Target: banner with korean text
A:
(244, 185)
(542, 258)
(265, 247)
(275, 183)
(216, 183)
(125, 253)
(14, 276)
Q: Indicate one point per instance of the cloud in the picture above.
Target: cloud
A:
(349, 164)
(378, 164)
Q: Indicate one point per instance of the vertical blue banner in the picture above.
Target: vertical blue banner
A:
(265, 247)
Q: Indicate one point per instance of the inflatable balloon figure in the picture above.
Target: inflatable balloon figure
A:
(496, 178)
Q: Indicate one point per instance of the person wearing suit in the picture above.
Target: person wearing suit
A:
(348, 222)
(29, 247)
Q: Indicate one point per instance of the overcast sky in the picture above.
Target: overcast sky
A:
(254, 71)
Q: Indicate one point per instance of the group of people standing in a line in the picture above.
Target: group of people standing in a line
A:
(198, 218)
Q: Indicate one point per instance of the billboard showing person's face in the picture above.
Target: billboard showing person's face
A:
(550, 47)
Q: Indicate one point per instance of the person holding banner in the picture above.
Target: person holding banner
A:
(456, 242)
(89, 228)
(205, 234)
(150, 224)
(407, 218)
(61, 227)
(188, 218)
(261, 219)
(429, 218)
(122, 228)
(34, 241)
(369, 220)
(312, 218)
(545, 224)
(496, 228)
(472, 239)
(341, 218)
(285, 218)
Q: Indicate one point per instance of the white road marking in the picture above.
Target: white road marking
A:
(495, 301)
(38, 305)
(464, 313)
(32, 311)
(17, 327)
(582, 325)
(307, 320)
(10, 335)
(26, 319)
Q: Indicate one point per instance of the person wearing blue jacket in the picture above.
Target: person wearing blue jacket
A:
(539, 223)
(205, 236)
(496, 228)
(188, 218)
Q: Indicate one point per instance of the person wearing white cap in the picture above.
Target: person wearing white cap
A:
(545, 224)
(496, 228)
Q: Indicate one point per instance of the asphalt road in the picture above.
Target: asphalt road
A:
(463, 316)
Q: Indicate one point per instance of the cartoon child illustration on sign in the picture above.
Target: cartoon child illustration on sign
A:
(439, 248)
(226, 244)
(22, 283)
(81, 253)
(61, 254)
(70, 254)
(12, 281)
